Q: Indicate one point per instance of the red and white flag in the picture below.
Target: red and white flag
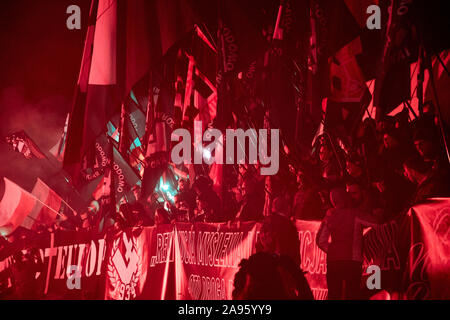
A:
(124, 39)
(47, 206)
(15, 206)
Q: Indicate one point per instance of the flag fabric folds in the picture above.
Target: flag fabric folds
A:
(349, 95)
(123, 40)
(15, 205)
(332, 27)
(108, 160)
(392, 85)
(23, 144)
(59, 148)
(47, 207)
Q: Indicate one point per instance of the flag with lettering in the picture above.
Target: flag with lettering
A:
(124, 39)
(123, 178)
(241, 38)
(428, 261)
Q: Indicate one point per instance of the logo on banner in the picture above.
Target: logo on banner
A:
(124, 268)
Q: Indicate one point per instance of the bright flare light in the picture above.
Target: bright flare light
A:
(206, 154)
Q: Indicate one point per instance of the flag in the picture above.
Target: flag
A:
(15, 205)
(243, 31)
(103, 188)
(123, 40)
(332, 27)
(241, 38)
(157, 156)
(159, 125)
(392, 85)
(23, 144)
(349, 95)
(76, 140)
(205, 58)
(371, 39)
(131, 138)
(123, 178)
(292, 26)
(58, 149)
(46, 209)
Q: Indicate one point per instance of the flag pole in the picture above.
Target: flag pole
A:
(420, 79)
(438, 108)
(149, 113)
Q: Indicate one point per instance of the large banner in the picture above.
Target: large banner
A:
(428, 261)
(60, 265)
(208, 257)
(180, 261)
(313, 260)
(385, 248)
(199, 261)
(140, 264)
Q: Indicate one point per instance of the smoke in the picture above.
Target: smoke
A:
(43, 120)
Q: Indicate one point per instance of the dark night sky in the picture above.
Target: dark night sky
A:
(39, 64)
(38, 51)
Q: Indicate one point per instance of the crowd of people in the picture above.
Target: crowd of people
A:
(348, 183)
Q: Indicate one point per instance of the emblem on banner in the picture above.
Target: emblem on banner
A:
(124, 269)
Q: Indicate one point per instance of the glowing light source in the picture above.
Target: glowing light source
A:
(206, 154)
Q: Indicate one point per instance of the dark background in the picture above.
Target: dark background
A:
(39, 63)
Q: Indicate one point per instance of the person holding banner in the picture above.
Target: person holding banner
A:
(344, 225)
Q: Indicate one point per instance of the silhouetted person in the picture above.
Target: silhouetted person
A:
(344, 225)
(204, 191)
(258, 278)
(252, 205)
(307, 203)
(161, 217)
(429, 183)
